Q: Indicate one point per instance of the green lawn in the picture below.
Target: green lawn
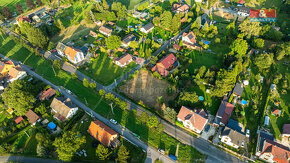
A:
(104, 71)
(11, 4)
(130, 4)
(204, 59)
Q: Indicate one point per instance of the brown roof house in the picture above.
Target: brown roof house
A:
(180, 8)
(18, 120)
(74, 55)
(47, 94)
(224, 113)
(123, 60)
(195, 121)
(16, 73)
(33, 118)
(105, 30)
(233, 138)
(63, 108)
(274, 152)
(5, 67)
(104, 134)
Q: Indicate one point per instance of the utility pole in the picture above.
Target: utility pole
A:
(53, 70)
(112, 108)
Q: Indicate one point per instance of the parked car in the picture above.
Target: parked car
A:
(161, 151)
(113, 121)
(243, 143)
(174, 158)
(247, 133)
(137, 136)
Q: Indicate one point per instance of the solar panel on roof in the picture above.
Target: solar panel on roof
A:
(190, 36)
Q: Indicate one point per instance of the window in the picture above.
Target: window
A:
(100, 137)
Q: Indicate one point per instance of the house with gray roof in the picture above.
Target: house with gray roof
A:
(63, 108)
(127, 40)
(238, 90)
(147, 28)
(233, 138)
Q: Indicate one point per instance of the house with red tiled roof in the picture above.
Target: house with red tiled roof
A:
(16, 73)
(46, 94)
(23, 19)
(286, 135)
(274, 152)
(18, 120)
(104, 134)
(166, 63)
(224, 113)
(180, 8)
(276, 112)
(73, 54)
(5, 67)
(123, 60)
(195, 121)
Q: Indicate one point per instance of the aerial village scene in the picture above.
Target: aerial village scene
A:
(144, 81)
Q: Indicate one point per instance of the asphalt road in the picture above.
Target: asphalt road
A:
(118, 128)
(23, 159)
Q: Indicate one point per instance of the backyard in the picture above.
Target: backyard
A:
(11, 4)
(103, 70)
(146, 88)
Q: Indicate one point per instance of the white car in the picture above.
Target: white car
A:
(113, 121)
(247, 133)
(243, 143)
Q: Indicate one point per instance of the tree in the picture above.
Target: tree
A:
(156, 21)
(74, 75)
(86, 82)
(144, 117)
(123, 154)
(277, 78)
(41, 109)
(176, 23)
(239, 46)
(1, 17)
(68, 144)
(102, 152)
(19, 8)
(39, 2)
(57, 63)
(102, 92)
(18, 96)
(231, 29)
(105, 5)
(166, 19)
(134, 44)
(109, 97)
(187, 98)
(30, 4)
(170, 114)
(153, 60)
(152, 121)
(93, 85)
(282, 50)
(250, 28)
(7, 13)
(258, 43)
(264, 61)
(34, 35)
(113, 42)
(40, 150)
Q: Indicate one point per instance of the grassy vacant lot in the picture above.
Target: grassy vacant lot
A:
(144, 87)
(130, 4)
(204, 59)
(11, 4)
(104, 71)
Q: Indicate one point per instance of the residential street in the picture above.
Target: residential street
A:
(23, 159)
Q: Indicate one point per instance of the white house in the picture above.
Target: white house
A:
(243, 11)
(124, 60)
(233, 138)
(74, 55)
(105, 30)
(16, 73)
(147, 28)
(127, 40)
(189, 38)
(195, 121)
(63, 108)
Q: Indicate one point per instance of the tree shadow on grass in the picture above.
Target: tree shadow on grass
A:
(7, 47)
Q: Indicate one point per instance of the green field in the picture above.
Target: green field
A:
(104, 71)
(11, 4)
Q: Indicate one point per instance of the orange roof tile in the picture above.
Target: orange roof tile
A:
(101, 132)
(71, 52)
(196, 120)
(281, 153)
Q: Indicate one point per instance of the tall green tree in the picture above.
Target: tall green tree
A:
(68, 144)
(123, 154)
(102, 152)
(239, 46)
(41, 109)
(7, 13)
(18, 96)
(187, 98)
(34, 35)
(19, 8)
(258, 43)
(166, 19)
(250, 28)
(30, 4)
(86, 82)
(113, 42)
(176, 22)
(264, 61)
(152, 121)
(283, 50)
(170, 114)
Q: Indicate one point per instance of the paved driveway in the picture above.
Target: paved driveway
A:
(208, 131)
